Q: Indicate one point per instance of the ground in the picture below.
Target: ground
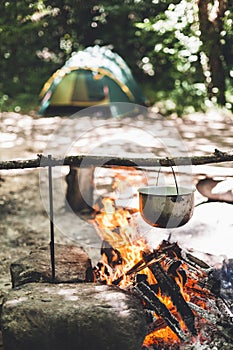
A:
(24, 220)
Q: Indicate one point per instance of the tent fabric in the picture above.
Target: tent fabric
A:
(90, 77)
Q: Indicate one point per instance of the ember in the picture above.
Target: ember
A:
(179, 292)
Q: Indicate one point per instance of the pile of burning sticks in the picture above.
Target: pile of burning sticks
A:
(177, 291)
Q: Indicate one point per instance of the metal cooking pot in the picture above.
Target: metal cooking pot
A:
(166, 206)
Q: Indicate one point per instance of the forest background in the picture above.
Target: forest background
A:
(179, 51)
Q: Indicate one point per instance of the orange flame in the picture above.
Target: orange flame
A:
(117, 228)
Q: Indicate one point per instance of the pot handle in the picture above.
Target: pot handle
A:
(174, 175)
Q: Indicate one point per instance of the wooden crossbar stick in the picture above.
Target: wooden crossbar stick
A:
(86, 161)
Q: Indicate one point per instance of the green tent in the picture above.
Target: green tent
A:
(94, 76)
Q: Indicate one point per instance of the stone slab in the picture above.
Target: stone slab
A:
(84, 316)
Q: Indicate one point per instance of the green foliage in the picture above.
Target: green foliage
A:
(173, 64)
(159, 39)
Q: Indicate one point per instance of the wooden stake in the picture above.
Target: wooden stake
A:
(52, 254)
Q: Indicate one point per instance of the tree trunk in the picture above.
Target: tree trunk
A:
(211, 26)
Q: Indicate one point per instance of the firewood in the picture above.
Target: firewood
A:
(142, 264)
(170, 288)
(211, 282)
(151, 299)
(113, 255)
(195, 261)
(159, 323)
(171, 249)
(203, 313)
(156, 325)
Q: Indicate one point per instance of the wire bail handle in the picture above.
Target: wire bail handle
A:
(174, 175)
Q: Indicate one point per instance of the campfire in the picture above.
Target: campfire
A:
(179, 292)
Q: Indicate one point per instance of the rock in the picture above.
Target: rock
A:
(72, 264)
(216, 189)
(85, 316)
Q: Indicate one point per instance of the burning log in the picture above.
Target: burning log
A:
(202, 312)
(170, 288)
(142, 264)
(152, 301)
(195, 261)
(113, 255)
(159, 323)
(158, 254)
(167, 264)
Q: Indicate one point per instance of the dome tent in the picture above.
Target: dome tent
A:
(94, 76)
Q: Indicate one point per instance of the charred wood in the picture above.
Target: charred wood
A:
(172, 250)
(202, 312)
(224, 309)
(196, 261)
(147, 259)
(113, 255)
(156, 325)
(118, 280)
(211, 282)
(141, 277)
(169, 287)
(151, 299)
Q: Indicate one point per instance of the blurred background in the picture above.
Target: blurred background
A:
(180, 51)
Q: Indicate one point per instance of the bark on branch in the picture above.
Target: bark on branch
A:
(86, 161)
